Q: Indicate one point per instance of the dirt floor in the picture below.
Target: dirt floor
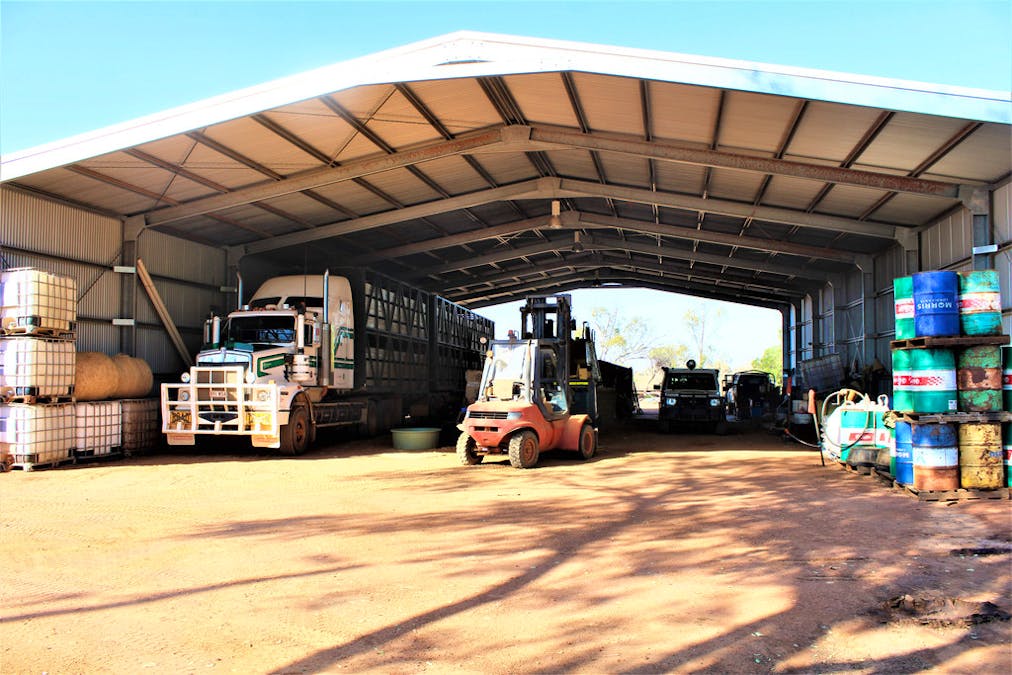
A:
(679, 553)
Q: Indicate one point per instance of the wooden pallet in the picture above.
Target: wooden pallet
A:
(41, 331)
(31, 399)
(952, 417)
(962, 494)
(950, 342)
(85, 456)
(29, 462)
(860, 470)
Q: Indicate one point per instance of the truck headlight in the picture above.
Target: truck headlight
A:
(672, 401)
(185, 378)
(263, 395)
(184, 395)
(515, 415)
(714, 402)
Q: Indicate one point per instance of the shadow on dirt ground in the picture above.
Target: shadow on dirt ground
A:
(666, 553)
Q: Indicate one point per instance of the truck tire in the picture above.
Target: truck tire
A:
(466, 450)
(588, 442)
(295, 435)
(523, 449)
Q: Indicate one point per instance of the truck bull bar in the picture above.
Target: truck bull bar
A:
(218, 401)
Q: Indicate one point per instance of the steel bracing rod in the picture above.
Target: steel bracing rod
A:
(590, 220)
(490, 283)
(555, 188)
(129, 187)
(608, 244)
(586, 278)
(631, 145)
(321, 176)
(469, 237)
(774, 214)
(930, 161)
(517, 275)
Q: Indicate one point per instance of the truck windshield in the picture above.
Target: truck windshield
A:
(703, 381)
(261, 329)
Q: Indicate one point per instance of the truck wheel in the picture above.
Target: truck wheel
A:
(296, 434)
(588, 442)
(523, 449)
(466, 452)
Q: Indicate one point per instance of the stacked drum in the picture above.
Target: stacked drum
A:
(948, 369)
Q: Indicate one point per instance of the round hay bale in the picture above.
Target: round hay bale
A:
(135, 377)
(144, 379)
(96, 377)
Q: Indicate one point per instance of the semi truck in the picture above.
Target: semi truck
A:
(354, 349)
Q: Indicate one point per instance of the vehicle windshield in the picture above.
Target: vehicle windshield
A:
(254, 330)
(506, 372)
(703, 381)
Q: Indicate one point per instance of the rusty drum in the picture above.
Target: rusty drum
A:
(979, 379)
(980, 456)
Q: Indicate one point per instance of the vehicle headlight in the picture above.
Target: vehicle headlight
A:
(185, 378)
(515, 415)
(672, 401)
(251, 377)
(184, 395)
(263, 395)
(714, 402)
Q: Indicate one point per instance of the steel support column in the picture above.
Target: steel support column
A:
(132, 229)
(978, 202)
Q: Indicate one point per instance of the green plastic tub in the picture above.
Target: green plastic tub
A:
(416, 438)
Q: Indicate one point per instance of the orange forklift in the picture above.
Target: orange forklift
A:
(524, 400)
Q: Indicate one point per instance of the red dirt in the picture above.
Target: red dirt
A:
(679, 553)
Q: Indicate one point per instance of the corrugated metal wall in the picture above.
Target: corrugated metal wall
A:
(38, 232)
(838, 309)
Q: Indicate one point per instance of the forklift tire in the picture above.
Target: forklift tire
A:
(296, 434)
(466, 453)
(588, 442)
(523, 449)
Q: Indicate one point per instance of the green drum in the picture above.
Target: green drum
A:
(903, 298)
(902, 395)
(979, 303)
(933, 380)
(979, 379)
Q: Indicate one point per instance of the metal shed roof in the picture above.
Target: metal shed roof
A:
(439, 162)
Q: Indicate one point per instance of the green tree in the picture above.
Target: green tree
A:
(771, 361)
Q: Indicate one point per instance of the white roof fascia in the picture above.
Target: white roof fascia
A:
(469, 54)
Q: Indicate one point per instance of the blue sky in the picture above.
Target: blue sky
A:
(71, 67)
